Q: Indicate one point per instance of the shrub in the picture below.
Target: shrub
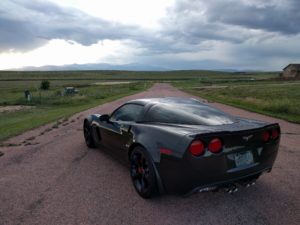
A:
(45, 84)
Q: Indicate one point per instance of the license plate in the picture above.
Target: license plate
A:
(243, 158)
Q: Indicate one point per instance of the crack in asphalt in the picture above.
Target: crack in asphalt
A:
(79, 158)
(33, 206)
(30, 152)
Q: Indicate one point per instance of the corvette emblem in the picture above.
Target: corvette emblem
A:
(247, 138)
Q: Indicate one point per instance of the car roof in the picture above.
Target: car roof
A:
(179, 110)
(166, 100)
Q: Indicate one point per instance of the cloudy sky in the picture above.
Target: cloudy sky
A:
(171, 34)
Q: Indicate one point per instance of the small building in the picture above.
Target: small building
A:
(292, 70)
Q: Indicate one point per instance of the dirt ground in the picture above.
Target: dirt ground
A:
(14, 108)
(51, 177)
(113, 82)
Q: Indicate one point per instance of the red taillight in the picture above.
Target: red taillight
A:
(215, 145)
(197, 148)
(275, 134)
(266, 136)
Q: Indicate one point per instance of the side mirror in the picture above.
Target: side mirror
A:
(104, 118)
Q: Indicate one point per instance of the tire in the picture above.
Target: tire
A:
(87, 132)
(142, 173)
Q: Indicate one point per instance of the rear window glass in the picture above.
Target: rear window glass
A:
(192, 114)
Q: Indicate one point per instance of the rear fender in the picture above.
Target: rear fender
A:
(155, 140)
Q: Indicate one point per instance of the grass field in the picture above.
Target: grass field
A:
(51, 106)
(275, 98)
(79, 77)
(255, 91)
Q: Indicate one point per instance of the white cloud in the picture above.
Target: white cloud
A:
(144, 13)
(60, 52)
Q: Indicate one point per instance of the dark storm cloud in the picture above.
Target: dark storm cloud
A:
(27, 25)
(16, 35)
(247, 32)
(273, 16)
(188, 22)
(198, 20)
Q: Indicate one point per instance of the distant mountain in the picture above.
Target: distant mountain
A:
(200, 65)
(97, 66)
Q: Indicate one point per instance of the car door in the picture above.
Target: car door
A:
(117, 131)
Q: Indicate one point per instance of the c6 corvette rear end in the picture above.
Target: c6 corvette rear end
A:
(178, 145)
(246, 156)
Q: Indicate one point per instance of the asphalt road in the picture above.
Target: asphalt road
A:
(53, 178)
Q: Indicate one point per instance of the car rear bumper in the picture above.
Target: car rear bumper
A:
(191, 174)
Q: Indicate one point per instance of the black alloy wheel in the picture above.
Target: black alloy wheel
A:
(88, 135)
(142, 173)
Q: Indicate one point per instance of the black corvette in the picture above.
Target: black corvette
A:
(179, 145)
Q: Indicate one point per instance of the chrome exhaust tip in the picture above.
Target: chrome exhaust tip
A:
(207, 189)
(232, 188)
(248, 183)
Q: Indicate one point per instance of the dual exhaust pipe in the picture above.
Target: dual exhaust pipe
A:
(252, 183)
(230, 188)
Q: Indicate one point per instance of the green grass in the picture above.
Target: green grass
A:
(50, 107)
(79, 77)
(275, 98)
